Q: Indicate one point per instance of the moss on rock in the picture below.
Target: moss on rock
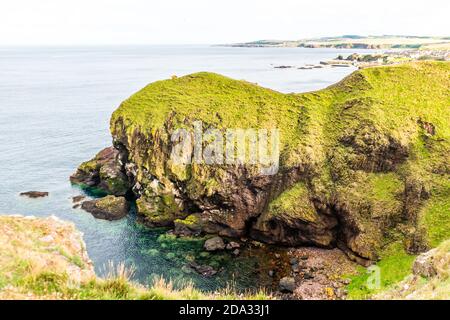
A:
(360, 161)
(109, 207)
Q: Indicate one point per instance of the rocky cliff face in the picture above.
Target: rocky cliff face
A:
(359, 165)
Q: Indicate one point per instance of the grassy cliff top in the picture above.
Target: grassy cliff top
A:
(214, 99)
(391, 99)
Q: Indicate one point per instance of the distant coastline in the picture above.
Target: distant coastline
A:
(356, 42)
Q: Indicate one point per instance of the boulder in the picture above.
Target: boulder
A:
(424, 265)
(287, 284)
(214, 244)
(107, 208)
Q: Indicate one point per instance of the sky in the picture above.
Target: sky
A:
(102, 22)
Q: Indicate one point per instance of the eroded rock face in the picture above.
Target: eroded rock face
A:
(107, 208)
(350, 160)
(104, 171)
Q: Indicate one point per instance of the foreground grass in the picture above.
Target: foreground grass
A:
(417, 286)
(394, 266)
(46, 259)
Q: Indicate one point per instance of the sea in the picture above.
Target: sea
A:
(55, 106)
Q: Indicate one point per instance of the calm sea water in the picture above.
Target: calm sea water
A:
(55, 105)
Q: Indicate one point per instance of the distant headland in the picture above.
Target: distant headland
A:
(357, 42)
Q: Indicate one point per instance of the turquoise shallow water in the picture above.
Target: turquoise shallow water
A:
(55, 105)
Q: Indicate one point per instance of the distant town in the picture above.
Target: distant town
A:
(357, 42)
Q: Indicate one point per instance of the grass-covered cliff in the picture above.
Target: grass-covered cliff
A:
(363, 163)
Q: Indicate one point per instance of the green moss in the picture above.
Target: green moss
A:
(191, 220)
(89, 166)
(110, 202)
(117, 185)
(295, 203)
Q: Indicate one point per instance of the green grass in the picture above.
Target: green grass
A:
(394, 266)
(422, 287)
(435, 215)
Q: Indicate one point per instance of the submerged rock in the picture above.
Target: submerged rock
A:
(34, 194)
(108, 208)
(204, 270)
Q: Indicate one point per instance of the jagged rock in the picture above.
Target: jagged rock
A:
(104, 172)
(424, 265)
(77, 199)
(34, 194)
(287, 284)
(108, 208)
(214, 244)
(233, 245)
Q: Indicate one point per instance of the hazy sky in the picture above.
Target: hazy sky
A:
(71, 22)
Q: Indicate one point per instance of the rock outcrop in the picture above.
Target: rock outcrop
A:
(214, 244)
(107, 208)
(34, 194)
(105, 172)
(357, 167)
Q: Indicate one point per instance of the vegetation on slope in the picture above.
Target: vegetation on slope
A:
(369, 153)
(430, 278)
